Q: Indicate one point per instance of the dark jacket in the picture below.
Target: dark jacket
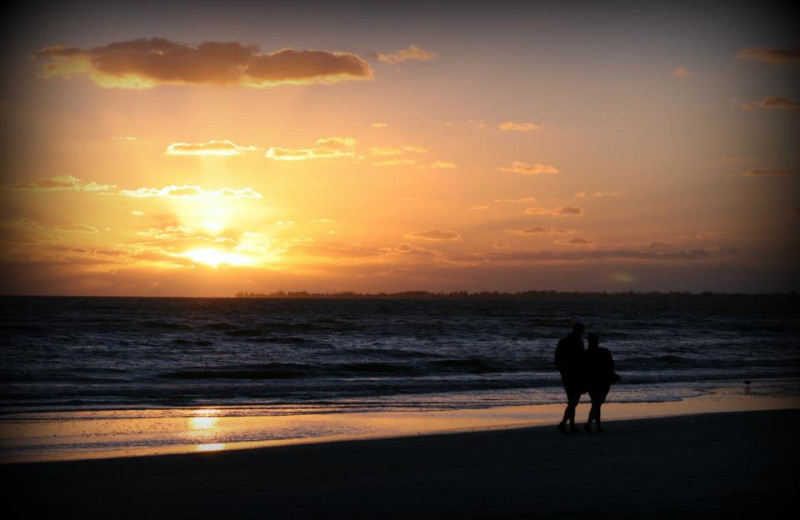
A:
(599, 368)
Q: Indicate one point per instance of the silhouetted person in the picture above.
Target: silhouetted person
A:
(569, 361)
(600, 375)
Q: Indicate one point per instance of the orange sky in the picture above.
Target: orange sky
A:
(152, 149)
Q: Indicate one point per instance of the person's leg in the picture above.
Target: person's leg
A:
(562, 426)
(574, 399)
(600, 400)
(592, 414)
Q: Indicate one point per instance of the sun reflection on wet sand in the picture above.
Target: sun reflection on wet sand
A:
(104, 434)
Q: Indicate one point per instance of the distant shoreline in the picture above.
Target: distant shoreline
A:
(451, 296)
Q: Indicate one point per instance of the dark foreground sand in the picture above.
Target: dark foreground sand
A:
(732, 465)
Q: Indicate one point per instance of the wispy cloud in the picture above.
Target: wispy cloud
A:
(772, 54)
(771, 102)
(327, 148)
(600, 194)
(77, 228)
(395, 162)
(441, 164)
(588, 255)
(191, 192)
(515, 201)
(524, 168)
(222, 148)
(511, 126)
(537, 230)
(436, 235)
(146, 63)
(396, 150)
(59, 183)
(561, 211)
(411, 53)
(575, 241)
(681, 73)
(771, 173)
(744, 105)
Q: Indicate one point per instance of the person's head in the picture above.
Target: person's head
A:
(577, 328)
(594, 339)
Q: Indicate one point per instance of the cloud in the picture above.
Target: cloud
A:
(537, 230)
(223, 148)
(59, 183)
(379, 125)
(600, 194)
(561, 211)
(713, 235)
(681, 73)
(511, 126)
(191, 192)
(327, 147)
(384, 150)
(394, 162)
(771, 102)
(77, 228)
(656, 244)
(26, 231)
(441, 164)
(478, 208)
(771, 173)
(412, 53)
(575, 241)
(331, 251)
(743, 104)
(582, 254)
(529, 169)
(564, 211)
(146, 63)
(515, 201)
(771, 54)
(435, 234)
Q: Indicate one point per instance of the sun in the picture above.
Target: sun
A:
(216, 258)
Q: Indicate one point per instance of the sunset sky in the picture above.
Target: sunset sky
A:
(206, 148)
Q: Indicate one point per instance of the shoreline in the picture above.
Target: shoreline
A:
(719, 465)
(43, 437)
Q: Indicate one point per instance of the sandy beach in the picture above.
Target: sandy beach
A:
(731, 465)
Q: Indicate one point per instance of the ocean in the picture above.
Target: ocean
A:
(285, 355)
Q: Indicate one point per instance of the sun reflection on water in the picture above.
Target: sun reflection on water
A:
(204, 419)
(210, 447)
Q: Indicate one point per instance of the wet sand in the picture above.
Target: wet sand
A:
(724, 465)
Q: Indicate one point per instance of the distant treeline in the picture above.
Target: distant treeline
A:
(484, 295)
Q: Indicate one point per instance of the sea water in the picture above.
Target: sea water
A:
(74, 354)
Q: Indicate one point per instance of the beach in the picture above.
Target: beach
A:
(731, 465)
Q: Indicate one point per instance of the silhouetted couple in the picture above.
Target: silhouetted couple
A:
(590, 370)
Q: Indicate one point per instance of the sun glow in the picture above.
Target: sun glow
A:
(216, 258)
(204, 419)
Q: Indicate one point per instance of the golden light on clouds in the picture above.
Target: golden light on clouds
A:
(164, 166)
(529, 169)
(216, 258)
(327, 148)
(511, 126)
(412, 53)
(191, 192)
(220, 148)
(59, 183)
(147, 63)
